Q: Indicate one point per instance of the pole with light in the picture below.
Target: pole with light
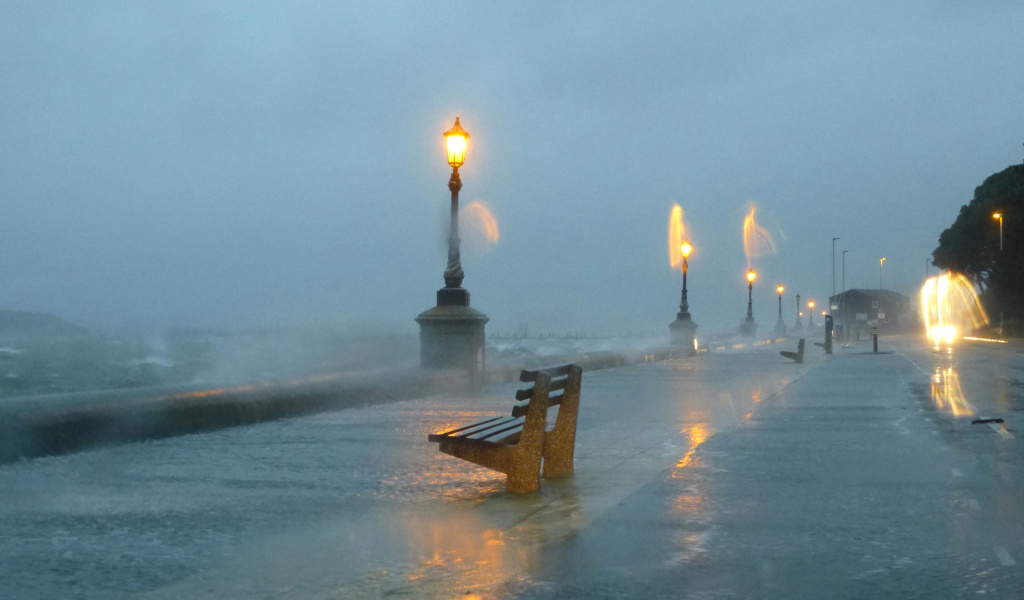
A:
(834, 266)
(881, 263)
(456, 141)
(810, 313)
(842, 303)
(684, 307)
(999, 216)
(748, 327)
(780, 326)
(452, 333)
(683, 329)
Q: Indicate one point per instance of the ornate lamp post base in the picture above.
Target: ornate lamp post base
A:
(682, 332)
(748, 328)
(780, 329)
(452, 337)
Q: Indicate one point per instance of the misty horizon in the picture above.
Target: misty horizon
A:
(194, 165)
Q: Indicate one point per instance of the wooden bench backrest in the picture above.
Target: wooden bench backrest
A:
(560, 377)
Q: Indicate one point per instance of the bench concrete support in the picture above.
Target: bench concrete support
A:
(560, 442)
(797, 356)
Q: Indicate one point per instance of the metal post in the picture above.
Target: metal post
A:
(684, 306)
(833, 267)
(750, 301)
(874, 339)
(453, 274)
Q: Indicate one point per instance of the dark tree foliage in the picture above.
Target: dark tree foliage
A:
(971, 245)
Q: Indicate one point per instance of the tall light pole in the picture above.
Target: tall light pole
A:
(452, 333)
(749, 327)
(880, 264)
(833, 266)
(810, 313)
(682, 330)
(799, 325)
(999, 216)
(780, 326)
(842, 304)
(684, 306)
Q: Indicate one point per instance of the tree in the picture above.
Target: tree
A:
(971, 245)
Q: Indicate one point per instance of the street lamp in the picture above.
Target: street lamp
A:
(456, 141)
(780, 327)
(749, 327)
(799, 325)
(682, 330)
(1000, 217)
(452, 333)
(834, 265)
(880, 264)
(810, 313)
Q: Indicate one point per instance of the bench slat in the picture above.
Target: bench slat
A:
(531, 374)
(484, 434)
(465, 429)
(555, 385)
(553, 400)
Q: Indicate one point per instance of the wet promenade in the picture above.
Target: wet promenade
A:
(729, 475)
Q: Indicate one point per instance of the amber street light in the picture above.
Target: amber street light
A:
(780, 288)
(810, 313)
(456, 140)
(999, 216)
(751, 276)
(684, 306)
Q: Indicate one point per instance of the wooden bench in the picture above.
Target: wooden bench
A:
(797, 356)
(516, 444)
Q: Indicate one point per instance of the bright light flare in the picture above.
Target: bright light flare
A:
(756, 239)
(949, 308)
(676, 237)
(480, 225)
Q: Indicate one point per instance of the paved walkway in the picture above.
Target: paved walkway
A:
(730, 475)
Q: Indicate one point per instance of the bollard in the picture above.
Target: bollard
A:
(828, 334)
(874, 339)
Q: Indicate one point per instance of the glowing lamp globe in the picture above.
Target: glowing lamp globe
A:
(686, 248)
(456, 138)
(780, 289)
(751, 276)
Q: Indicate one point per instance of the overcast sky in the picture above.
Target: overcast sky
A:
(246, 163)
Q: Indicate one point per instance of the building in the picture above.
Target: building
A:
(860, 311)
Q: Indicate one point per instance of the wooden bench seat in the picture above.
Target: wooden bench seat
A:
(519, 444)
(797, 356)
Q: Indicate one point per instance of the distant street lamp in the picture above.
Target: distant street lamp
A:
(1000, 217)
(452, 333)
(810, 313)
(749, 327)
(780, 326)
(799, 324)
(880, 264)
(684, 306)
(834, 265)
(682, 330)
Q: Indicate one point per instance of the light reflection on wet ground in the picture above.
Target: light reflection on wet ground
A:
(356, 503)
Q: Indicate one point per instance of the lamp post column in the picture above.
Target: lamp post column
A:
(682, 330)
(452, 333)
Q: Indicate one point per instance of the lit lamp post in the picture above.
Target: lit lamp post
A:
(881, 263)
(810, 313)
(683, 328)
(780, 326)
(452, 333)
(999, 216)
(748, 328)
